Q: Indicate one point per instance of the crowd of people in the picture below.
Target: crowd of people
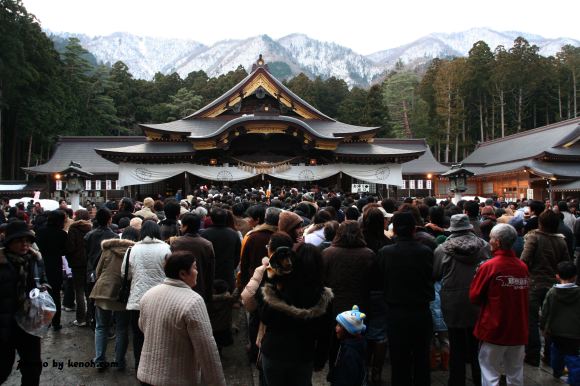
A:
(327, 281)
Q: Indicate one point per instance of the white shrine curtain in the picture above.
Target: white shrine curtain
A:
(137, 174)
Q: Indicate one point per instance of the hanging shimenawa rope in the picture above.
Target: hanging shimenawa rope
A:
(264, 167)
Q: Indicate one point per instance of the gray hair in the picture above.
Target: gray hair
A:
(200, 211)
(272, 215)
(505, 234)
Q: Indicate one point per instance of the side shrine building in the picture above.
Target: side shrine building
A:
(257, 131)
(540, 164)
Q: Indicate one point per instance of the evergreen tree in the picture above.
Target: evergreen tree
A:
(375, 113)
(183, 103)
(352, 107)
(399, 97)
(477, 83)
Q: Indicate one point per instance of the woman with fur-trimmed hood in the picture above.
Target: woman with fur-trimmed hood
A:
(296, 309)
(106, 293)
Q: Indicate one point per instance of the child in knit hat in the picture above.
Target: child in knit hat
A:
(350, 368)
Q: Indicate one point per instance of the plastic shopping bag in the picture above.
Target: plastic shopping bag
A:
(37, 313)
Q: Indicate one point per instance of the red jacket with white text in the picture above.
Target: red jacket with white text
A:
(500, 287)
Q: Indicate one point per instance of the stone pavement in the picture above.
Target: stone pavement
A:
(73, 344)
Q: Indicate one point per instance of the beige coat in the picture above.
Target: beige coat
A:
(146, 213)
(109, 277)
(179, 347)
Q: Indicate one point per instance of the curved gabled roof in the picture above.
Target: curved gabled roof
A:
(82, 151)
(268, 118)
(259, 71)
(209, 121)
(208, 128)
(528, 144)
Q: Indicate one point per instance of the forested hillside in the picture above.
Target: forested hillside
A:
(454, 103)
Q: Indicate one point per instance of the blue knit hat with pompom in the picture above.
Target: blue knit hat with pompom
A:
(352, 320)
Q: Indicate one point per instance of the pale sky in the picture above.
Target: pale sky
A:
(365, 26)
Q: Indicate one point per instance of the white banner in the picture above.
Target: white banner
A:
(108, 185)
(419, 184)
(58, 185)
(88, 185)
(404, 184)
(137, 174)
(97, 184)
(411, 184)
(117, 187)
(428, 184)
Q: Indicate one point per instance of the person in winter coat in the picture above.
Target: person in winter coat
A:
(561, 318)
(158, 208)
(420, 234)
(407, 278)
(179, 348)
(349, 368)
(544, 248)
(488, 221)
(105, 294)
(277, 240)
(295, 307)
(455, 262)
(126, 208)
(170, 226)
(146, 262)
(373, 228)
(254, 244)
(569, 218)
(220, 313)
(77, 261)
(226, 245)
(93, 241)
(500, 288)
(471, 209)
(348, 267)
(52, 243)
(374, 220)
(314, 234)
(21, 269)
(147, 212)
(292, 224)
(203, 251)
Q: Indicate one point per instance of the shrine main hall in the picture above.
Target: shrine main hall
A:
(257, 131)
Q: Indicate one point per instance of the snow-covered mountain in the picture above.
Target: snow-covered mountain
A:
(143, 55)
(147, 55)
(227, 55)
(459, 43)
(329, 59)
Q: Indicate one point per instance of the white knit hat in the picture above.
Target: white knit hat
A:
(352, 320)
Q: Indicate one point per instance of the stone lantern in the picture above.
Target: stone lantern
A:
(457, 180)
(74, 177)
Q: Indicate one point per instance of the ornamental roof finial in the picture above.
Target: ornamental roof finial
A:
(259, 63)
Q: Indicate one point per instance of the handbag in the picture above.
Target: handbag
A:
(126, 284)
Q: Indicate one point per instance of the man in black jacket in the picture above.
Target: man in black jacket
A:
(93, 250)
(406, 268)
(226, 245)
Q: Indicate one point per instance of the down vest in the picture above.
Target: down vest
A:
(455, 263)
(145, 268)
